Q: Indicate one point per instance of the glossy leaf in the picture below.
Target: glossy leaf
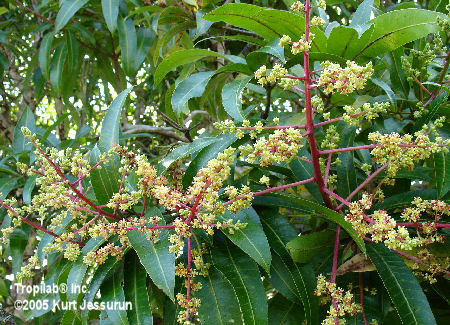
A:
(206, 154)
(112, 291)
(346, 171)
(20, 143)
(284, 312)
(104, 181)
(97, 279)
(232, 97)
(245, 279)
(268, 23)
(191, 87)
(109, 133)
(362, 16)
(250, 239)
(297, 203)
(303, 170)
(398, 27)
(128, 44)
(404, 199)
(303, 248)
(158, 262)
(136, 291)
(184, 151)
(72, 53)
(57, 67)
(44, 54)
(110, 9)
(298, 282)
(7, 184)
(219, 302)
(179, 58)
(442, 168)
(404, 290)
(79, 268)
(66, 12)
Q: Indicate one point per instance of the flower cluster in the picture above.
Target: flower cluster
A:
(60, 188)
(27, 270)
(275, 75)
(302, 45)
(281, 146)
(344, 80)
(383, 228)
(332, 138)
(404, 151)
(354, 115)
(343, 301)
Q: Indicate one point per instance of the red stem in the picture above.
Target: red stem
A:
(362, 185)
(274, 189)
(189, 275)
(333, 271)
(78, 193)
(366, 146)
(309, 115)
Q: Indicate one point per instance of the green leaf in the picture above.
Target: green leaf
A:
(232, 97)
(68, 9)
(284, 312)
(303, 248)
(70, 318)
(7, 184)
(396, 72)
(44, 54)
(297, 203)
(109, 133)
(144, 42)
(404, 199)
(28, 189)
(179, 58)
(136, 291)
(191, 87)
(20, 144)
(432, 110)
(442, 169)
(404, 290)
(78, 270)
(128, 44)
(298, 282)
(245, 279)
(396, 28)
(206, 154)
(202, 25)
(304, 170)
(184, 151)
(47, 239)
(219, 303)
(158, 262)
(346, 170)
(386, 88)
(104, 181)
(57, 67)
(18, 241)
(272, 48)
(250, 239)
(110, 10)
(361, 17)
(72, 53)
(112, 291)
(268, 23)
(97, 279)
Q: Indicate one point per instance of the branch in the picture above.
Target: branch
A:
(164, 131)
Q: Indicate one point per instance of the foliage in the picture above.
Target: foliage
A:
(169, 154)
